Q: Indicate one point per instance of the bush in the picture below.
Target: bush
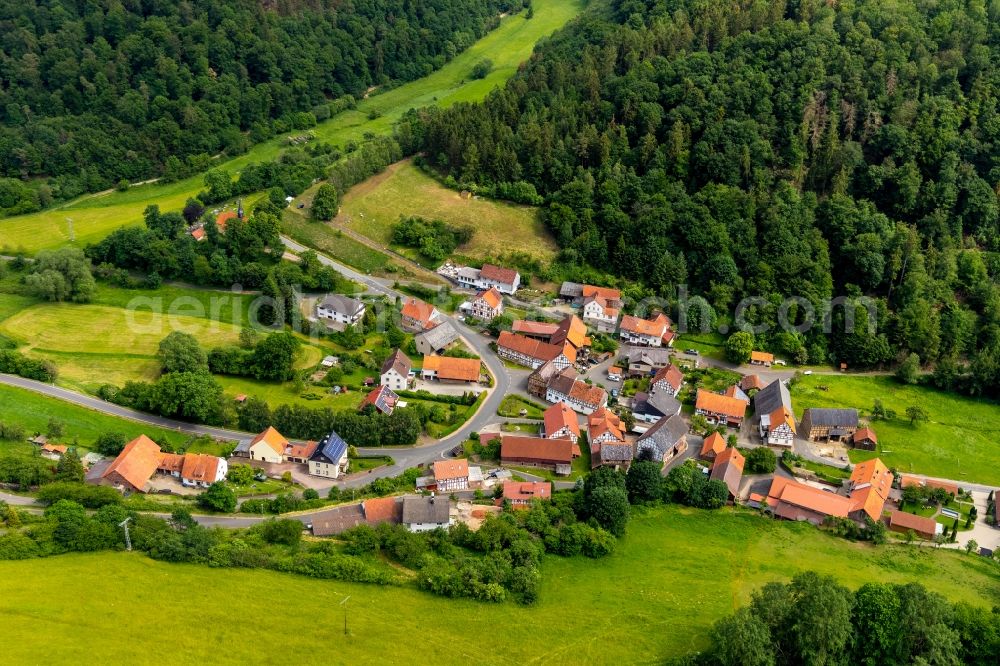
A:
(90, 497)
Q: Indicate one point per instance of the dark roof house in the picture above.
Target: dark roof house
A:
(663, 437)
(331, 450)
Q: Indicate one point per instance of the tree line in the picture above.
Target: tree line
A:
(766, 149)
(96, 93)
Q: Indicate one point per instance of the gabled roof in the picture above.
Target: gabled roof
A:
(779, 417)
(657, 404)
(603, 421)
(200, 467)
(714, 444)
(491, 297)
(559, 416)
(527, 490)
(751, 382)
(806, 497)
(535, 349)
(566, 383)
(871, 482)
(728, 468)
(382, 510)
(607, 293)
(865, 433)
(652, 327)
(136, 463)
(720, 404)
(664, 434)
(831, 417)
(440, 336)
(670, 374)
(426, 510)
(571, 289)
(908, 521)
(383, 398)
(170, 463)
(906, 481)
(762, 357)
(272, 438)
(399, 362)
(538, 328)
(345, 305)
(451, 469)
(331, 450)
(418, 311)
(301, 450)
(571, 330)
(498, 274)
(538, 448)
(453, 369)
(735, 391)
(648, 355)
(771, 397)
(613, 452)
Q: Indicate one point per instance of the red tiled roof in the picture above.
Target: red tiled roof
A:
(498, 274)
(535, 349)
(720, 404)
(454, 369)
(492, 297)
(763, 357)
(572, 330)
(907, 480)
(603, 421)
(559, 416)
(871, 482)
(714, 444)
(655, 327)
(536, 448)
(865, 433)
(527, 490)
(223, 219)
(451, 469)
(417, 311)
(198, 234)
(908, 521)
(540, 328)
(807, 497)
(780, 416)
(171, 462)
(200, 467)
(751, 382)
(136, 463)
(603, 292)
(301, 450)
(55, 448)
(382, 510)
(670, 374)
(273, 439)
(587, 393)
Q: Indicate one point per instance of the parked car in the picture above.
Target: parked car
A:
(691, 352)
(779, 362)
(807, 372)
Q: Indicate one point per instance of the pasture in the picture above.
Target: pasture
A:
(696, 566)
(958, 441)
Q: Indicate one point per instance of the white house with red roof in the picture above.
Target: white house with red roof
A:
(646, 332)
(485, 305)
(505, 280)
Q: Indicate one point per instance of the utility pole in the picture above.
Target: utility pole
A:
(344, 604)
(128, 538)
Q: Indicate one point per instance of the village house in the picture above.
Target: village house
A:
(865, 439)
(484, 306)
(451, 370)
(925, 528)
(521, 494)
(778, 427)
(452, 475)
(417, 316)
(829, 424)
(340, 309)
(578, 394)
(608, 446)
(436, 340)
(665, 439)
(598, 313)
(712, 446)
(761, 358)
(577, 294)
(870, 485)
(643, 362)
(771, 398)
(560, 422)
(269, 446)
(728, 468)
(650, 408)
(53, 451)
(372, 512)
(646, 332)
(538, 380)
(134, 466)
(554, 454)
(383, 398)
(200, 471)
(300, 453)
(532, 353)
(329, 459)
(668, 379)
(423, 514)
(539, 330)
(792, 500)
(505, 280)
(907, 480)
(720, 409)
(396, 371)
(751, 383)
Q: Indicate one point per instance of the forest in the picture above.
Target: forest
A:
(94, 93)
(767, 149)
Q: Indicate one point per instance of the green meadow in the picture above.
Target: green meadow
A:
(92, 217)
(676, 572)
(958, 441)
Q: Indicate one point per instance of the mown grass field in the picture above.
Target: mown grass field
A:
(959, 441)
(33, 411)
(676, 572)
(95, 216)
(336, 244)
(373, 207)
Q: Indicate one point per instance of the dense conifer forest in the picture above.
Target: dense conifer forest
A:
(769, 148)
